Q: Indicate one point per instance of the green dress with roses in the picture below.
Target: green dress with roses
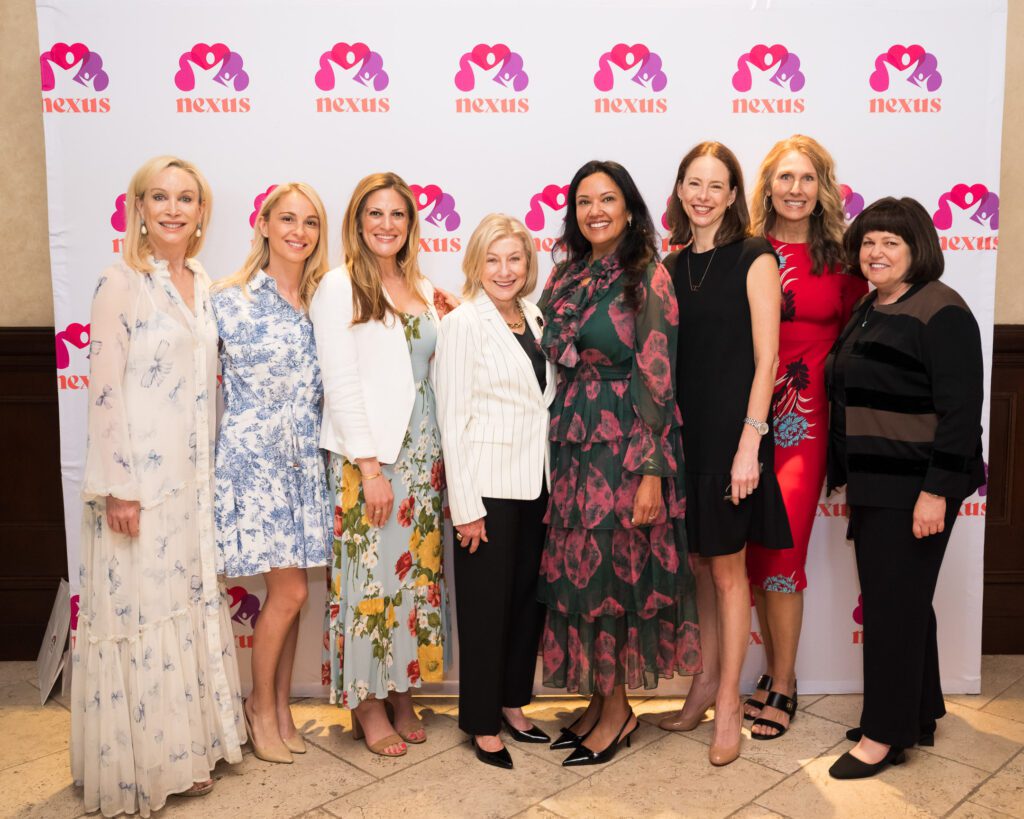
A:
(385, 627)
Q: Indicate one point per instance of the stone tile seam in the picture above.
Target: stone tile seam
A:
(973, 791)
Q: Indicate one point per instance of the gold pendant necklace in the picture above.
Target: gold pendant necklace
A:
(689, 276)
(515, 325)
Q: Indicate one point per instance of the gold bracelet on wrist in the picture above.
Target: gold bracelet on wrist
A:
(379, 473)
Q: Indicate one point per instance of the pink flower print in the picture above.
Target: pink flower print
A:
(608, 428)
(553, 655)
(630, 554)
(604, 662)
(620, 387)
(553, 557)
(609, 607)
(564, 491)
(630, 661)
(437, 477)
(663, 544)
(434, 595)
(688, 656)
(325, 673)
(411, 623)
(405, 510)
(654, 365)
(666, 648)
(412, 671)
(661, 286)
(591, 355)
(655, 601)
(598, 502)
(582, 557)
(576, 432)
(623, 320)
(579, 663)
(593, 389)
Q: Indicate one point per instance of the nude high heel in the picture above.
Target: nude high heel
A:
(719, 755)
(679, 723)
(262, 752)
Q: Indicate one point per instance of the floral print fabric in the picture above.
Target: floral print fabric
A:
(155, 694)
(620, 598)
(814, 310)
(271, 503)
(386, 619)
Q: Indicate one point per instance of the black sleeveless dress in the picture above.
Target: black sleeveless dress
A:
(714, 371)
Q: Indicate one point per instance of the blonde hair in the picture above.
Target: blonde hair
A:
(492, 228)
(368, 300)
(826, 229)
(259, 256)
(137, 249)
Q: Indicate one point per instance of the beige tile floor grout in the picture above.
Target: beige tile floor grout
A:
(980, 775)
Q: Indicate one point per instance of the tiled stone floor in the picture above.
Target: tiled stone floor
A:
(976, 768)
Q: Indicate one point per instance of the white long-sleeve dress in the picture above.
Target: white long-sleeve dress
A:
(156, 700)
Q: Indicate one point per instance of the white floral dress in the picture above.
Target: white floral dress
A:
(271, 506)
(156, 700)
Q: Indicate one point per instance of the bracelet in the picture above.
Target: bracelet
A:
(378, 474)
(932, 495)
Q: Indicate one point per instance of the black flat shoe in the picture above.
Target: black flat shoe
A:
(584, 756)
(764, 683)
(782, 703)
(499, 759)
(531, 734)
(849, 767)
(926, 739)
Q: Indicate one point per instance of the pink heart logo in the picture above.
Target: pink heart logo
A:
(207, 56)
(487, 56)
(966, 195)
(858, 613)
(903, 57)
(426, 195)
(68, 55)
(347, 55)
(118, 219)
(555, 196)
(625, 56)
(764, 57)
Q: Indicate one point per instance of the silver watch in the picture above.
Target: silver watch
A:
(760, 426)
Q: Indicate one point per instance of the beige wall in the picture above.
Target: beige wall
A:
(25, 273)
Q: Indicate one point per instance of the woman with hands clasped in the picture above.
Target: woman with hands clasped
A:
(729, 303)
(494, 387)
(375, 325)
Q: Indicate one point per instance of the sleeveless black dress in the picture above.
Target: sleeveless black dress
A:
(714, 371)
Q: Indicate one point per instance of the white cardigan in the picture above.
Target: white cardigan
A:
(492, 413)
(368, 385)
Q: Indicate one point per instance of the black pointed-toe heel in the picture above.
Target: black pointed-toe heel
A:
(568, 738)
(582, 755)
(926, 739)
(531, 734)
(499, 759)
(849, 767)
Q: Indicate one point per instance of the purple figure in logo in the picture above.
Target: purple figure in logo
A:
(789, 73)
(988, 211)
(853, 202)
(511, 73)
(248, 606)
(444, 213)
(650, 74)
(231, 71)
(372, 72)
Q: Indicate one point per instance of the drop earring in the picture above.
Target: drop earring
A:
(199, 230)
(143, 231)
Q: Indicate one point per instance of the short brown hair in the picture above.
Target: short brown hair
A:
(736, 222)
(907, 219)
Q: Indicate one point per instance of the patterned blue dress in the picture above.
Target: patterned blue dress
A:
(271, 506)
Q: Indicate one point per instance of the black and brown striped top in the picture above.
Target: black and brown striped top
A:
(906, 386)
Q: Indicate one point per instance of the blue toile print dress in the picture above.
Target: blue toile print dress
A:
(271, 507)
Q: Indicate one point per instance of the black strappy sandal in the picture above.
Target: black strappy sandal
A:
(764, 683)
(783, 703)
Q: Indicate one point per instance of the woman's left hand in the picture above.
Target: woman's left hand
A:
(647, 501)
(929, 515)
(745, 473)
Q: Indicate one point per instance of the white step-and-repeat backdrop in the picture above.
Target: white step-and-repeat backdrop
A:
(482, 110)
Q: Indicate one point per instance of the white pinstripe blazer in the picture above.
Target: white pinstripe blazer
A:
(492, 413)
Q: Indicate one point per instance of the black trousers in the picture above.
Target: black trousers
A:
(898, 572)
(499, 617)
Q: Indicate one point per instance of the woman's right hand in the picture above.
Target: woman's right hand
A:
(471, 534)
(123, 516)
(379, 499)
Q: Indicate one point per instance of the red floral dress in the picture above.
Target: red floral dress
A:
(620, 598)
(814, 311)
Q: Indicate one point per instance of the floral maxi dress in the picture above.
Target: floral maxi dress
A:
(621, 598)
(385, 629)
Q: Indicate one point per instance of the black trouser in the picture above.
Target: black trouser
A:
(898, 572)
(499, 617)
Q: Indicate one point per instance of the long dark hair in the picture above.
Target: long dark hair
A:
(638, 247)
